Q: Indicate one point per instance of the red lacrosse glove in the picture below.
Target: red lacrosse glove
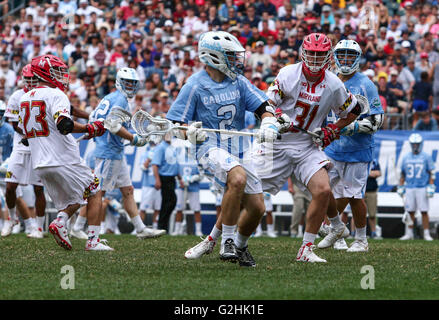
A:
(326, 135)
(95, 129)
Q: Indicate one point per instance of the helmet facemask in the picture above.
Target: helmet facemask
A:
(129, 87)
(30, 82)
(416, 148)
(235, 61)
(61, 75)
(316, 61)
(347, 61)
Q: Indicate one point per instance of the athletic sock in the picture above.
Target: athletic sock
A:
(240, 240)
(80, 223)
(215, 233)
(155, 225)
(270, 227)
(138, 224)
(308, 237)
(336, 222)
(40, 222)
(33, 223)
(12, 213)
(177, 227)
(361, 234)
(259, 229)
(27, 225)
(93, 232)
(1, 223)
(198, 227)
(228, 233)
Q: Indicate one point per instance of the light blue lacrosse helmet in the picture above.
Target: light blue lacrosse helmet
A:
(347, 55)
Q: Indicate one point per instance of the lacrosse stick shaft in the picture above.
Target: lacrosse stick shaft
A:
(230, 132)
(315, 135)
(82, 137)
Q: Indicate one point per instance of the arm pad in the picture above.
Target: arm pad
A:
(264, 107)
(65, 126)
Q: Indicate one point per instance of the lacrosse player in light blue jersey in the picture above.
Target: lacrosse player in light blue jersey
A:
(417, 183)
(352, 154)
(217, 98)
(111, 167)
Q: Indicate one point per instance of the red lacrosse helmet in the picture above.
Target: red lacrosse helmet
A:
(51, 69)
(30, 81)
(316, 54)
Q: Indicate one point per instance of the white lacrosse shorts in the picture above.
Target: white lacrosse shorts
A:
(151, 199)
(20, 170)
(349, 179)
(192, 197)
(69, 184)
(219, 162)
(416, 199)
(112, 174)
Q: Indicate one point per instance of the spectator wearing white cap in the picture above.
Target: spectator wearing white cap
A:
(167, 31)
(327, 16)
(67, 7)
(50, 45)
(370, 74)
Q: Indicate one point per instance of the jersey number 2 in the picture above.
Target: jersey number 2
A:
(39, 118)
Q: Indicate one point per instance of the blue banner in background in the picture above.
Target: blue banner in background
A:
(390, 148)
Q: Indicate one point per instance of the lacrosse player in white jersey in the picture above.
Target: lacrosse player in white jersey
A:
(20, 170)
(45, 120)
(352, 154)
(305, 92)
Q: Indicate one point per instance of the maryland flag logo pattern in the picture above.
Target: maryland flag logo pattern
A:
(275, 85)
(8, 174)
(347, 103)
(93, 186)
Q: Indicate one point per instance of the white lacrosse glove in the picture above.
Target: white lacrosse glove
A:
(284, 121)
(195, 178)
(268, 131)
(195, 133)
(401, 191)
(430, 190)
(138, 141)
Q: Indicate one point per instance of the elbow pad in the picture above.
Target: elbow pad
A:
(264, 107)
(65, 126)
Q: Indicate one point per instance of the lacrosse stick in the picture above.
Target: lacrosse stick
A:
(116, 117)
(146, 125)
(364, 104)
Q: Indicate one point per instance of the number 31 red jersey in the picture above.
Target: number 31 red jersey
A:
(308, 104)
(38, 114)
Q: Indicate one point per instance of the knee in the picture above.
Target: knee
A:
(127, 191)
(322, 191)
(237, 182)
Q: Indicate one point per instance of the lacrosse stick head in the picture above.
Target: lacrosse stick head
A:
(146, 125)
(116, 118)
(364, 104)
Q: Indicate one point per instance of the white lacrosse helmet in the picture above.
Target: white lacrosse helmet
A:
(2, 112)
(416, 141)
(222, 51)
(347, 54)
(127, 81)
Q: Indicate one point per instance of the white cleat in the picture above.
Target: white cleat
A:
(36, 234)
(7, 227)
(17, 228)
(306, 254)
(271, 234)
(78, 234)
(340, 244)
(427, 237)
(358, 246)
(150, 233)
(333, 236)
(199, 234)
(204, 247)
(60, 234)
(97, 245)
(324, 230)
(258, 234)
(406, 237)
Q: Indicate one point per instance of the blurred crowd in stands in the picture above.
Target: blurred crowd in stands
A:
(159, 39)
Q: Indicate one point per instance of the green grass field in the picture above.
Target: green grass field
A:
(156, 269)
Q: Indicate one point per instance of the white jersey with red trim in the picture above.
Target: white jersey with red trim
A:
(39, 111)
(308, 104)
(11, 112)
